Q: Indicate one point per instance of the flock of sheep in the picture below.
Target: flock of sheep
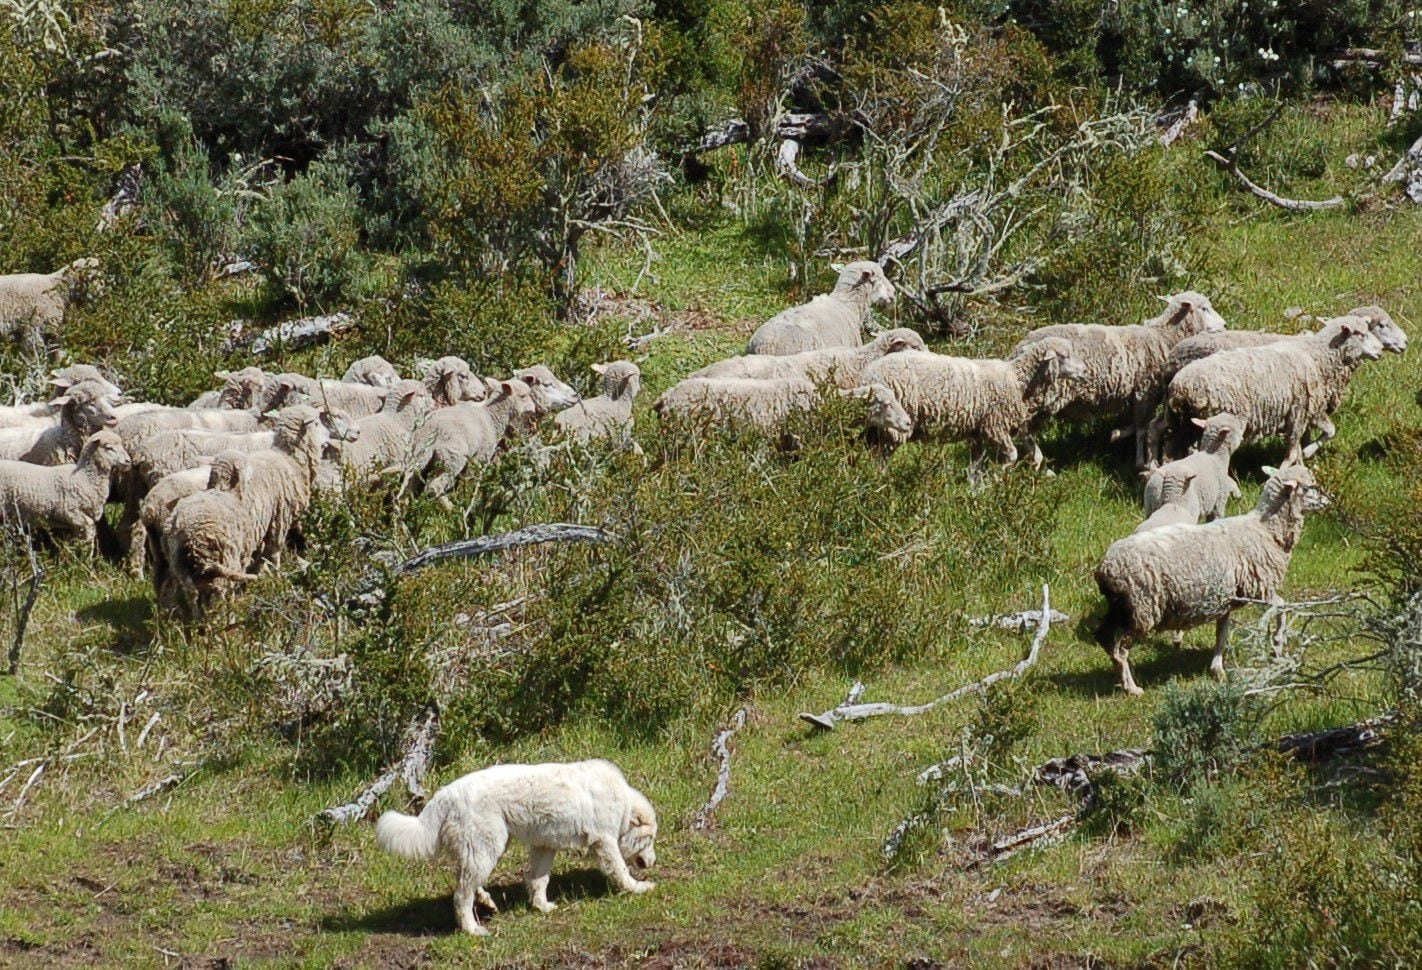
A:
(212, 492)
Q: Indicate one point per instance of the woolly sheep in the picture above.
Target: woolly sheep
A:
(839, 366)
(453, 437)
(450, 381)
(84, 408)
(1177, 503)
(888, 424)
(548, 393)
(1208, 468)
(204, 540)
(834, 319)
(609, 415)
(982, 400)
(1178, 577)
(355, 400)
(63, 498)
(385, 440)
(145, 532)
(1283, 388)
(134, 430)
(764, 404)
(42, 414)
(1122, 362)
(32, 305)
(374, 370)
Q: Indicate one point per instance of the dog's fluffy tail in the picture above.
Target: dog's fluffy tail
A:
(414, 837)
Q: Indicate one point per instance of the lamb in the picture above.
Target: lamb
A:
(453, 437)
(374, 370)
(42, 414)
(549, 393)
(765, 404)
(839, 366)
(202, 540)
(833, 319)
(83, 409)
(609, 415)
(32, 305)
(63, 498)
(1177, 503)
(385, 440)
(1283, 388)
(1178, 577)
(450, 381)
(983, 400)
(1123, 363)
(1208, 468)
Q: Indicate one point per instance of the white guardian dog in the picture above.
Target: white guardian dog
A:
(587, 805)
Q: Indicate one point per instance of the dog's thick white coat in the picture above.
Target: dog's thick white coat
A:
(586, 805)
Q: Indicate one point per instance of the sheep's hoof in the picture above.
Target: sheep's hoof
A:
(1132, 690)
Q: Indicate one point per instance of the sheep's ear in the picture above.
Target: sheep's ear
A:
(509, 387)
(1198, 422)
(599, 368)
(1163, 299)
(866, 276)
(1270, 470)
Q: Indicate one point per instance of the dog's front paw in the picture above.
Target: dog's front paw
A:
(643, 886)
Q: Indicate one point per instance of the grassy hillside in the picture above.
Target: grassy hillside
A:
(808, 573)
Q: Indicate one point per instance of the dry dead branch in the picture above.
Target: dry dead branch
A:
(411, 768)
(25, 607)
(857, 712)
(290, 334)
(1293, 205)
(720, 749)
(1177, 126)
(531, 535)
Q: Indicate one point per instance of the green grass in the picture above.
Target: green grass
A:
(230, 864)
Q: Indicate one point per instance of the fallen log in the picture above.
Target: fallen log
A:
(1017, 621)
(420, 735)
(1293, 205)
(531, 535)
(290, 334)
(857, 712)
(721, 750)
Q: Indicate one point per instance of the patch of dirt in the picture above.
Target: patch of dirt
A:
(645, 316)
(1202, 912)
(701, 954)
(394, 951)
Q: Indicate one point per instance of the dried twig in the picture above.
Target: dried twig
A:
(25, 608)
(720, 748)
(1293, 205)
(858, 712)
(1177, 127)
(292, 334)
(528, 536)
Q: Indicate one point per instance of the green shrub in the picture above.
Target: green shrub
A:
(1200, 729)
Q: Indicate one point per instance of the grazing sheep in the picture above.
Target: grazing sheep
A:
(834, 319)
(84, 408)
(374, 370)
(63, 498)
(1177, 577)
(32, 305)
(136, 429)
(549, 393)
(355, 400)
(764, 404)
(203, 542)
(982, 400)
(1208, 468)
(145, 533)
(165, 452)
(888, 424)
(609, 415)
(385, 440)
(43, 414)
(453, 437)
(839, 366)
(1283, 388)
(1123, 363)
(450, 381)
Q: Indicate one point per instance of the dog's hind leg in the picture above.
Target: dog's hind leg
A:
(609, 856)
(540, 864)
(479, 850)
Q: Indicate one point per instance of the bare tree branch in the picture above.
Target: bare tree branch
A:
(1293, 205)
(720, 749)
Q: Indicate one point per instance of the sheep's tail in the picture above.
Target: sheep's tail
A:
(411, 836)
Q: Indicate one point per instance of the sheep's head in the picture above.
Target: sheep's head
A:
(886, 418)
(67, 377)
(240, 388)
(88, 406)
(1057, 360)
(1222, 432)
(451, 381)
(230, 472)
(373, 370)
(1292, 486)
(638, 837)
(620, 379)
(1189, 313)
(409, 395)
(515, 396)
(899, 339)
(104, 449)
(338, 425)
(549, 393)
(865, 277)
(1353, 338)
(1393, 337)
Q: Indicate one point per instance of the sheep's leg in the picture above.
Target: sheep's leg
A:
(137, 549)
(478, 853)
(540, 865)
(89, 534)
(1121, 657)
(1005, 444)
(1036, 455)
(1217, 670)
(1142, 414)
(1326, 432)
(609, 857)
(1155, 435)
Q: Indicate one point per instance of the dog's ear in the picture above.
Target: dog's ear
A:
(639, 818)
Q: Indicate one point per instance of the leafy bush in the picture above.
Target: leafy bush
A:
(1200, 729)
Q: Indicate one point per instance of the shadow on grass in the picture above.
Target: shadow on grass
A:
(434, 915)
(1154, 663)
(127, 618)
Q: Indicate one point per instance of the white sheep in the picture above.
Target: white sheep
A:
(549, 394)
(32, 305)
(765, 404)
(84, 408)
(42, 414)
(145, 532)
(834, 319)
(1177, 502)
(63, 498)
(386, 440)
(1283, 388)
(980, 400)
(373, 370)
(1208, 468)
(453, 437)
(450, 381)
(1180, 576)
(608, 415)
(887, 423)
(1123, 363)
(134, 430)
(205, 541)
(355, 400)
(840, 366)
